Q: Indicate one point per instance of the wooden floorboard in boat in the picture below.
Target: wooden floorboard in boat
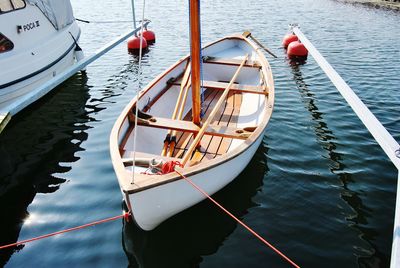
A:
(205, 141)
(216, 141)
(222, 118)
(221, 145)
(183, 139)
(212, 146)
(226, 142)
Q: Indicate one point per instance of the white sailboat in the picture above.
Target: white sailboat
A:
(212, 137)
(38, 40)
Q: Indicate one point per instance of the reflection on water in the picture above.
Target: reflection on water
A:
(32, 148)
(199, 231)
(326, 138)
(324, 135)
(328, 199)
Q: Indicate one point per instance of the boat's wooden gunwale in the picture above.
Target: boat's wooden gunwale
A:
(125, 140)
(125, 113)
(167, 87)
(115, 148)
(157, 97)
(143, 182)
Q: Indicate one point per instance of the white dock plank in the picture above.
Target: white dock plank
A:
(378, 131)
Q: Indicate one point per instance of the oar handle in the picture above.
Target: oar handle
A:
(247, 34)
(185, 80)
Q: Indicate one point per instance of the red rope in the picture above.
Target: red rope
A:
(172, 165)
(65, 231)
(169, 166)
(239, 221)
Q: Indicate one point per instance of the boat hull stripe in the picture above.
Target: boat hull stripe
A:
(43, 69)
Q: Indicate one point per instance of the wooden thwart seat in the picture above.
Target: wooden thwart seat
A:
(234, 62)
(142, 159)
(188, 126)
(237, 88)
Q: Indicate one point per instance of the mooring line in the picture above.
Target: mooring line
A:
(126, 214)
(65, 231)
(239, 221)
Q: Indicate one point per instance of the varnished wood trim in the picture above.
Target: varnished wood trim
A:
(237, 88)
(232, 62)
(188, 126)
(194, 9)
(125, 139)
(140, 156)
(204, 127)
(150, 181)
(184, 138)
(157, 97)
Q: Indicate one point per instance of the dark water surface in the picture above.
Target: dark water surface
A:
(319, 187)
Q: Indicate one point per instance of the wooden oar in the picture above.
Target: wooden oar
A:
(172, 144)
(248, 34)
(221, 100)
(177, 106)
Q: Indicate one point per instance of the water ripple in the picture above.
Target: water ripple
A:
(319, 187)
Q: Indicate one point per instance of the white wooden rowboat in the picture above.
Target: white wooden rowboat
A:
(234, 132)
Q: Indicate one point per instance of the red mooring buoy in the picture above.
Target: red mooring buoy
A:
(150, 36)
(134, 45)
(297, 50)
(289, 38)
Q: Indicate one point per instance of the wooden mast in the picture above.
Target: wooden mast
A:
(195, 58)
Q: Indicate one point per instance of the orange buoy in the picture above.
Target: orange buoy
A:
(134, 45)
(297, 50)
(150, 36)
(289, 38)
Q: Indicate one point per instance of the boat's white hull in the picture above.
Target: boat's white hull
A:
(12, 94)
(155, 205)
(39, 53)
